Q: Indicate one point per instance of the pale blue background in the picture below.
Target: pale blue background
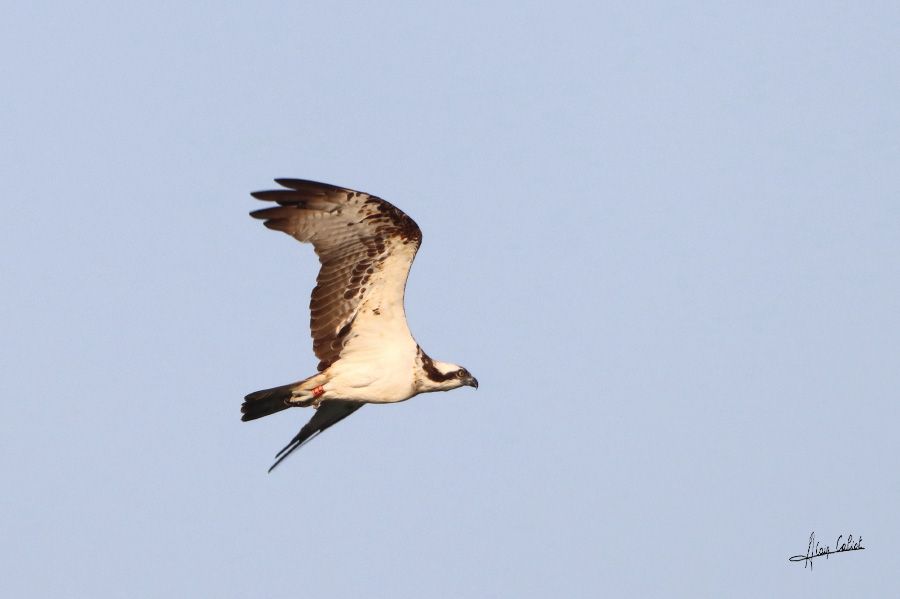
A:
(664, 237)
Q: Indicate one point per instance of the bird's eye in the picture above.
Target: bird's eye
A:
(461, 373)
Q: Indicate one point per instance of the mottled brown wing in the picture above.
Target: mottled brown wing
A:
(354, 234)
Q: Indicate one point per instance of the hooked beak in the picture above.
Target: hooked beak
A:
(471, 382)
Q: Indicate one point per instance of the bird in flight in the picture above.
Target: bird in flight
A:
(366, 352)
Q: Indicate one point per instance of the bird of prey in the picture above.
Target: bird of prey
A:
(366, 352)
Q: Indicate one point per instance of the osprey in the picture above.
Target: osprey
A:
(366, 352)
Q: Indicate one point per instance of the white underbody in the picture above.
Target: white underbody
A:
(375, 366)
(378, 361)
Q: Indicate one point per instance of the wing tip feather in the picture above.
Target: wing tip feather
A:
(308, 185)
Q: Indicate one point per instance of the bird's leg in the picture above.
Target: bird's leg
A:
(305, 395)
(317, 394)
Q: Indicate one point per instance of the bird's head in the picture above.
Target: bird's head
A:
(444, 376)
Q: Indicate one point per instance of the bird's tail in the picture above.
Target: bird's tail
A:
(268, 401)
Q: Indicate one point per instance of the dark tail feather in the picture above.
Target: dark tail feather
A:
(328, 414)
(265, 402)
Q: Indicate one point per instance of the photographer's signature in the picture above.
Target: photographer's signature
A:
(816, 550)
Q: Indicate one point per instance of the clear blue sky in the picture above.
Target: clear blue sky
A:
(665, 239)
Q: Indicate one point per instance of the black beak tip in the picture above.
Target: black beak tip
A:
(474, 382)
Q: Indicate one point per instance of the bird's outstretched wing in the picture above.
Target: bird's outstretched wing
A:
(366, 247)
(329, 413)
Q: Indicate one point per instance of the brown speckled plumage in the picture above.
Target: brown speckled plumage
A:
(353, 233)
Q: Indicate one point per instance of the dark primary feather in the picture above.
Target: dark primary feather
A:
(328, 414)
